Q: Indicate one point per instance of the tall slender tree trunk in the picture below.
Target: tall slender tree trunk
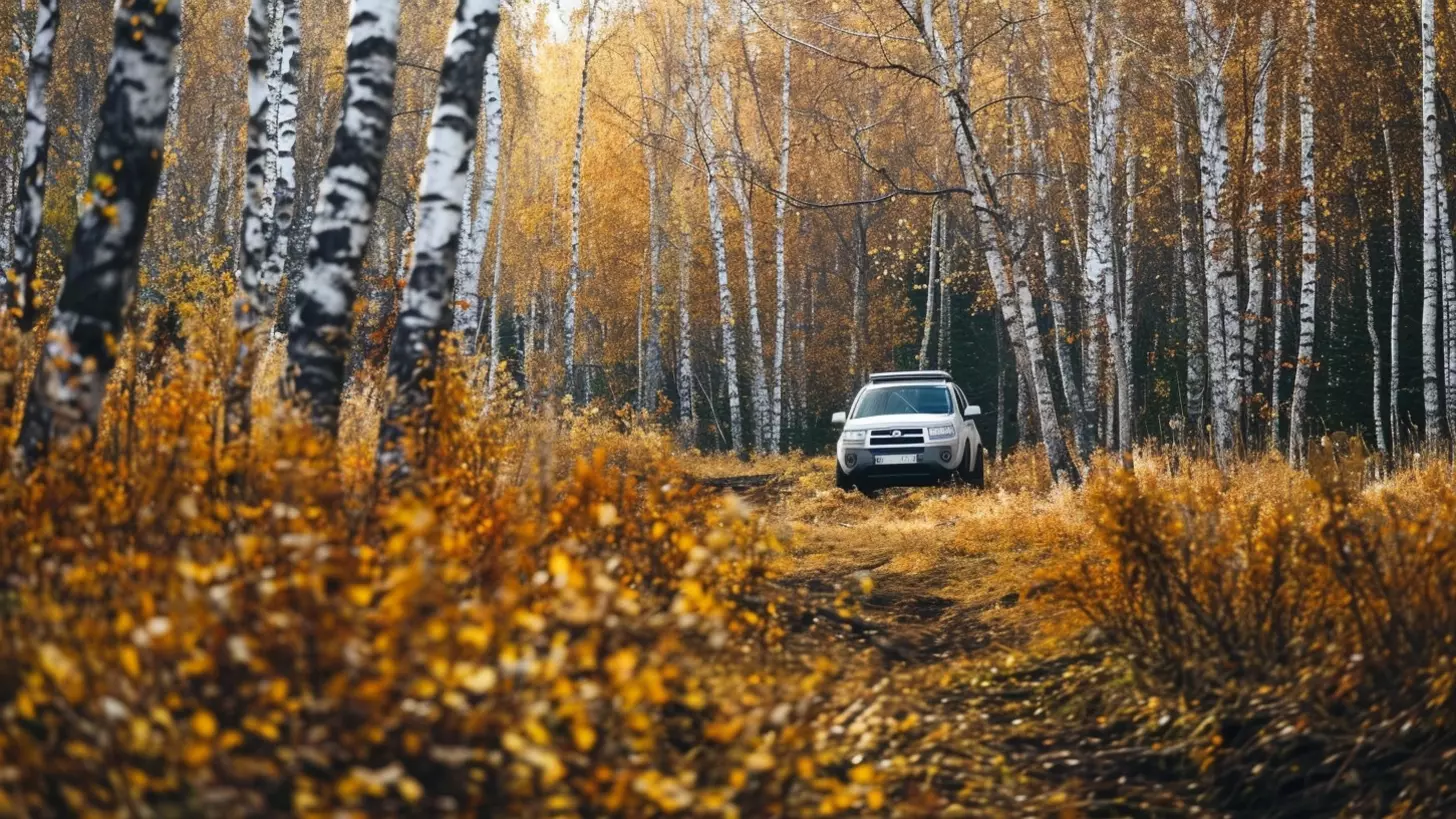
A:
(1309, 233)
(1104, 101)
(687, 418)
(573, 273)
(1009, 280)
(425, 312)
(1277, 300)
(100, 274)
(1207, 52)
(495, 295)
(932, 257)
(320, 328)
(651, 353)
(254, 301)
(780, 254)
(1395, 278)
(19, 285)
(285, 187)
(1431, 261)
(726, 320)
(1254, 214)
(1195, 315)
(1378, 363)
(472, 253)
(1128, 304)
(739, 191)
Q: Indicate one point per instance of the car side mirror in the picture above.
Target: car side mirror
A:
(972, 411)
(838, 419)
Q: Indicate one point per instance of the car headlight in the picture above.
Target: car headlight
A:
(856, 436)
(942, 433)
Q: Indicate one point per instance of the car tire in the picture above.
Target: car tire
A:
(978, 475)
(842, 480)
(973, 476)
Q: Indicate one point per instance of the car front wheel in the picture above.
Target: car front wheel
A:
(973, 474)
(842, 480)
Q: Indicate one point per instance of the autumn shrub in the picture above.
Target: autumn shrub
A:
(546, 618)
(1305, 626)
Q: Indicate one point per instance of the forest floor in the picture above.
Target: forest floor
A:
(981, 691)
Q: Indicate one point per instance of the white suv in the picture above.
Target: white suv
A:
(908, 428)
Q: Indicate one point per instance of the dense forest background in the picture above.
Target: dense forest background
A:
(742, 208)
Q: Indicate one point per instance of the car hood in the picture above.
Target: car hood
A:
(897, 421)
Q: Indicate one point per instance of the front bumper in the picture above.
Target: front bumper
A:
(932, 462)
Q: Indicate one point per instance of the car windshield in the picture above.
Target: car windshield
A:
(918, 399)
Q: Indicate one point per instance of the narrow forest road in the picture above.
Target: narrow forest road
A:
(965, 681)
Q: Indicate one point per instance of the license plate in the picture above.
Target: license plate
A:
(894, 460)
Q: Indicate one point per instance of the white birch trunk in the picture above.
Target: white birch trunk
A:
(1395, 279)
(650, 333)
(427, 302)
(1309, 242)
(1378, 364)
(472, 254)
(1448, 290)
(740, 193)
(1254, 214)
(1207, 51)
(573, 273)
(19, 285)
(923, 362)
(1195, 316)
(495, 296)
(321, 325)
(1277, 298)
(80, 350)
(776, 423)
(1431, 262)
(285, 186)
(726, 318)
(1013, 293)
(687, 418)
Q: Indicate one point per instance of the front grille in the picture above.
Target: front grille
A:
(888, 437)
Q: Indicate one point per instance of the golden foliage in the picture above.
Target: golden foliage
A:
(554, 620)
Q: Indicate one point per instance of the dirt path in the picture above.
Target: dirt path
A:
(959, 684)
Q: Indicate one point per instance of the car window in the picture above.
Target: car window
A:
(910, 399)
(960, 401)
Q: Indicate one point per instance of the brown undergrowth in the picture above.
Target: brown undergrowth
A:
(560, 614)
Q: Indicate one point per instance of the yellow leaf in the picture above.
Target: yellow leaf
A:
(204, 724)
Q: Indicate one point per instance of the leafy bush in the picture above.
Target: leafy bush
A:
(1306, 628)
(548, 620)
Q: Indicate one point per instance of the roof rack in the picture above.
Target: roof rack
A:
(911, 375)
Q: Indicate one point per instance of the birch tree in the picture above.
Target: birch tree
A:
(254, 301)
(1104, 101)
(1254, 214)
(473, 242)
(285, 183)
(1377, 369)
(932, 256)
(1012, 290)
(1208, 50)
(781, 298)
(1195, 316)
(573, 273)
(726, 321)
(1431, 262)
(69, 385)
(19, 284)
(738, 189)
(425, 311)
(1395, 274)
(1309, 242)
(650, 376)
(322, 321)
